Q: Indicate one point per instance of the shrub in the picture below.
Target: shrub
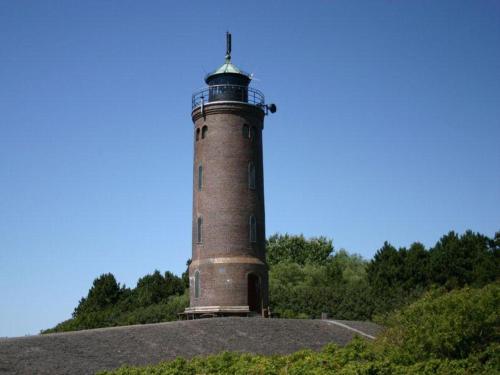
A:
(452, 325)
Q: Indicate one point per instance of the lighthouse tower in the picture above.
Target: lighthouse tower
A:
(228, 274)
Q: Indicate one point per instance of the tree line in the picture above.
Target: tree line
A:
(308, 278)
(156, 298)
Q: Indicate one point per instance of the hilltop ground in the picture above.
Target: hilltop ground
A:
(85, 352)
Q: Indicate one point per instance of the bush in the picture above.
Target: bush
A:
(453, 325)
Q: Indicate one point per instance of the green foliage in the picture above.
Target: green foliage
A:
(155, 288)
(452, 325)
(353, 266)
(155, 313)
(470, 259)
(351, 360)
(105, 291)
(448, 334)
(185, 275)
(117, 316)
(296, 289)
(337, 286)
(307, 278)
(398, 277)
(416, 272)
(156, 298)
(296, 249)
(302, 285)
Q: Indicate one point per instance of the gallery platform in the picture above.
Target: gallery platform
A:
(215, 311)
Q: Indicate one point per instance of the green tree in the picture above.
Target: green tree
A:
(155, 288)
(157, 298)
(185, 274)
(297, 249)
(338, 287)
(470, 259)
(386, 269)
(390, 278)
(355, 301)
(175, 284)
(416, 273)
(105, 291)
(353, 266)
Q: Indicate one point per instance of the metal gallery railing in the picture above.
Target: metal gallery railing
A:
(234, 93)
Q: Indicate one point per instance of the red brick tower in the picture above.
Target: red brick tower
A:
(228, 274)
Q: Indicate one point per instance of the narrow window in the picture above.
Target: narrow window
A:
(253, 133)
(196, 284)
(200, 177)
(198, 134)
(204, 131)
(253, 229)
(199, 231)
(251, 175)
(246, 131)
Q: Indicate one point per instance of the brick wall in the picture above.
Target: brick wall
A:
(226, 255)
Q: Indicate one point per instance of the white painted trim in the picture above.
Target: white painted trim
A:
(222, 309)
(350, 328)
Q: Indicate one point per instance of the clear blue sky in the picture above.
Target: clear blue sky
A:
(388, 128)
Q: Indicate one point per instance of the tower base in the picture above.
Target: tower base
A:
(216, 311)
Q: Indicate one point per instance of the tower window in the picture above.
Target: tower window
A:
(200, 177)
(204, 132)
(246, 131)
(251, 175)
(199, 230)
(196, 284)
(253, 229)
(197, 134)
(253, 133)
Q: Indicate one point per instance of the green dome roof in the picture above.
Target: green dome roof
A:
(228, 68)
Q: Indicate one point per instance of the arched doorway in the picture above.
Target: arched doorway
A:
(254, 298)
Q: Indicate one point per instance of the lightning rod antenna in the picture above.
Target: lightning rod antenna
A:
(228, 46)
